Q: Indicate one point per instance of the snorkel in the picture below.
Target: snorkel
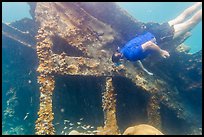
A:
(116, 57)
(118, 64)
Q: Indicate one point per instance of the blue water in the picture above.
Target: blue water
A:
(12, 11)
(143, 11)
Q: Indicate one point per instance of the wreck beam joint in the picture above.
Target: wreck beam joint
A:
(109, 108)
(153, 111)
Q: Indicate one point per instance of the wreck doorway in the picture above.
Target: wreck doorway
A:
(80, 97)
(131, 104)
(75, 98)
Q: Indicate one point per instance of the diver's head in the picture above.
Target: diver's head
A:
(116, 57)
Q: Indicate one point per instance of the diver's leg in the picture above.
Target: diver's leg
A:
(182, 28)
(143, 68)
(185, 14)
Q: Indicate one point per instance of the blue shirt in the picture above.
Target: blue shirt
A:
(133, 49)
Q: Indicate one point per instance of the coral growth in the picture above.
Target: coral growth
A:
(109, 108)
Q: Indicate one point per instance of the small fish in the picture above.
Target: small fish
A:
(29, 81)
(81, 119)
(65, 127)
(70, 127)
(78, 123)
(62, 132)
(66, 121)
(57, 124)
(62, 110)
(83, 127)
(30, 72)
(26, 116)
(88, 126)
(78, 126)
(71, 124)
(92, 126)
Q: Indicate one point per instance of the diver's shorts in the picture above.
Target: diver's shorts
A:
(162, 32)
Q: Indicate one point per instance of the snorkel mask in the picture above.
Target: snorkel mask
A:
(118, 63)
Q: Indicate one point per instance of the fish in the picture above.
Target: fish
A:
(29, 81)
(78, 126)
(29, 72)
(71, 124)
(26, 116)
(88, 126)
(62, 132)
(92, 126)
(83, 127)
(56, 123)
(70, 127)
(65, 127)
(81, 119)
(66, 121)
(78, 123)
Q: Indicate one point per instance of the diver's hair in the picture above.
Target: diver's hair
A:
(115, 58)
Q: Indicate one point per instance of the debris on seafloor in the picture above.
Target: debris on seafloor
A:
(142, 129)
(79, 24)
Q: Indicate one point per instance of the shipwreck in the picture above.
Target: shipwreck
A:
(77, 39)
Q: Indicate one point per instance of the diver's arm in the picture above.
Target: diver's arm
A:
(140, 64)
(151, 46)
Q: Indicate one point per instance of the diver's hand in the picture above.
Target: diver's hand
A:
(164, 53)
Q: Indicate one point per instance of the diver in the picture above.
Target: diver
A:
(153, 34)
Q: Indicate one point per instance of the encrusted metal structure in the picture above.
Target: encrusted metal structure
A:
(80, 38)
